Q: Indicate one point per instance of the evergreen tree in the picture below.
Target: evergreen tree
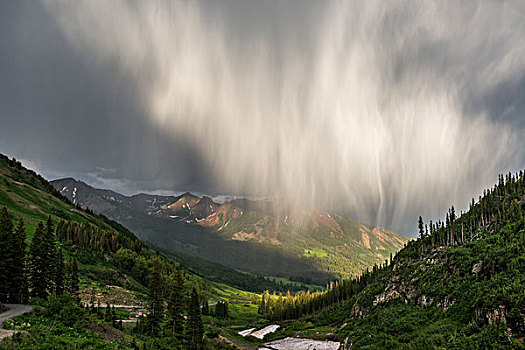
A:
(73, 285)
(176, 305)
(195, 328)
(51, 251)
(40, 277)
(107, 317)
(205, 308)
(421, 226)
(59, 274)
(113, 317)
(262, 305)
(6, 257)
(155, 294)
(43, 260)
(18, 291)
(219, 309)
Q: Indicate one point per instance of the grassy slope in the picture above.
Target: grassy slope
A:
(204, 242)
(343, 251)
(345, 254)
(27, 196)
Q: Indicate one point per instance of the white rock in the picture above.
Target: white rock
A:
(302, 344)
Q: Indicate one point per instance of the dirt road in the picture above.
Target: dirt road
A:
(14, 310)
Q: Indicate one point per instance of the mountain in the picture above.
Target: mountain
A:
(271, 238)
(461, 286)
(114, 269)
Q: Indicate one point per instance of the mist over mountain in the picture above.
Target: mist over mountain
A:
(248, 174)
(365, 109)
(263, 237)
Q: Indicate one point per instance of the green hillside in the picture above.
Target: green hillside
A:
(30, 197)
(458, 286)
(462, 286)
(114, 268)
(331, 243)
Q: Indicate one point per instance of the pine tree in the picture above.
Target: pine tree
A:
(40, 280)
(51, 248)
(107, 316)
(218, 309)
(18, 291)
(155, 294)
(73, 285)
(59, 274)
(262, 305)
(6, 257)
(421, 227)
(113, 317)
(43, 259)
(205, 308)
(195, 328)
(176, 305)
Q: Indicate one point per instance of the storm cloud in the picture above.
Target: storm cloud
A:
(377, 111)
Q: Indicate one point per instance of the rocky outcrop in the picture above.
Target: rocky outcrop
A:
(396, 288)
(515, 323)
(386, 296)
(476, 269)
(488, 317)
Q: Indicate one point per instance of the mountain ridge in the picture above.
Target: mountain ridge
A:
(287, 233)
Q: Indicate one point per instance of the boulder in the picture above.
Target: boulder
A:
(476, 269)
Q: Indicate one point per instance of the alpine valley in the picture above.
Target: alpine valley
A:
(267, 238)
(262, 175)
(75, 279)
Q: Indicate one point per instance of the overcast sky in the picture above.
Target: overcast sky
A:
(378, 111)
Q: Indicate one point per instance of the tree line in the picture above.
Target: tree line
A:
(172, 314)
(290, 306)
(35, 272)
(499, 206)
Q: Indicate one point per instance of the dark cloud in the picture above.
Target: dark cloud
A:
(70, 115)
(71, 106)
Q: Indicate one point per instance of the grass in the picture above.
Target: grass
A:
(33, 205)
(287, 282)
(315, 253)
